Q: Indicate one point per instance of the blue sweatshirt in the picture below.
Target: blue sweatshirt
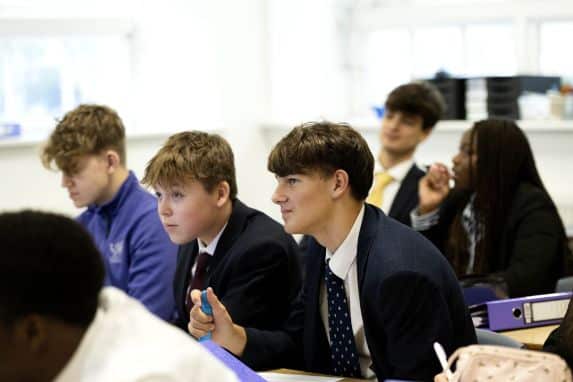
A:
(139, 258)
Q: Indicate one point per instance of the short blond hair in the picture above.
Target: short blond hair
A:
(193, 156)
(86, 130)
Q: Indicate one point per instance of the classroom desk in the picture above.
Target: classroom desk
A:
(532, 338)
(298, 372)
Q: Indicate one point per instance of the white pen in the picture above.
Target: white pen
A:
(443, 360)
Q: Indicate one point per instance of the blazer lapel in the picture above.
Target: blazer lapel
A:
(365, 240)
(407, 190)
(315, 340)
(235, 226)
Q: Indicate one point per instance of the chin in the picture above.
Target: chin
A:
(178, 240)
(460, 186)
(79, 204)
(291, 228)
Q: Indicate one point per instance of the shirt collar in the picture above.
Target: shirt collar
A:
(210, 249)
(399, 171)
(345, 255)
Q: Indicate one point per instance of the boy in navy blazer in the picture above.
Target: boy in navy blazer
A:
(244, 255)
(410, 113)
(376, 295)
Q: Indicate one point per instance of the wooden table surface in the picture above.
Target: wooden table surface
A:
(533, 338)
(298, 372)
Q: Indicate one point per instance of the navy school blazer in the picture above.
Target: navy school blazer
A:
(255, 270)
(407, 197)
(409, 298)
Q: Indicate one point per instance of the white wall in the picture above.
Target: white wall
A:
(197, 66)
(214, 75)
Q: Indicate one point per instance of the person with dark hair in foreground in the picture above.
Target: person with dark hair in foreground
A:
(498, 220)
(376, 294)
(58, 324)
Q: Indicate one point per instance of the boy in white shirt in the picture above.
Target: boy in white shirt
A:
(57, 324)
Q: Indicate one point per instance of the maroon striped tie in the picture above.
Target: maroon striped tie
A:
(197, 281)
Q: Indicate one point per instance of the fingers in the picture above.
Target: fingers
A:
(196, 297)
(196, 332)
(440, 378)
(438, 176)
(216, 305)
(196, 314)
(199, 323)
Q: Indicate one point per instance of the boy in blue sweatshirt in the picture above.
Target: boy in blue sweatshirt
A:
(88, 146)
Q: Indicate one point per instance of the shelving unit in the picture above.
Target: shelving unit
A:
(370, 125)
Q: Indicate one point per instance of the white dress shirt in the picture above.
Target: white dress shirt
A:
(343, 264)
(126, 343)
(398, 174)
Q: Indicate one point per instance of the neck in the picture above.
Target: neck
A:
(338, 224)
(117, 178)
(389, 160)
(220, 220)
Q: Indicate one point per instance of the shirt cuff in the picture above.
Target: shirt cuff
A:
(425, 221)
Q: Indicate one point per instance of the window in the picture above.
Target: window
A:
(469, 38)
(437, 48)
(43, 77)
(554, 57)
(490, 50)
(397, 55)
(388, 62)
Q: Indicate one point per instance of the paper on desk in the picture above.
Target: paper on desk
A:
(277, 377)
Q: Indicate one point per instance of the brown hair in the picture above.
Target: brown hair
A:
(418, 98)
(86, 130)
(325, 147)
(193, 155)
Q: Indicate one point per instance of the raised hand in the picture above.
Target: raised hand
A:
(223, 331)
(433, 188)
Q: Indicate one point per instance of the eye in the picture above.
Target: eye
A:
(292, 181)
(409, 121)
(158, 194)
(177, 195)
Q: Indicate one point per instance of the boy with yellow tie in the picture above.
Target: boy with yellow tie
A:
(411, 112)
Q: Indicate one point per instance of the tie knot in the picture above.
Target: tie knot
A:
(203, 258)
(383, 178)
(331, 276)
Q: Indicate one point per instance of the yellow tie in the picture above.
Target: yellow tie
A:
(381, 180)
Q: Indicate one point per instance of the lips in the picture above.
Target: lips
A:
(392, 136)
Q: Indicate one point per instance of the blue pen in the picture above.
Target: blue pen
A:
(205, 308)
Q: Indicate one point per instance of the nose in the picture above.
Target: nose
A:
(456, 159)
(163, 207)
(392, 123)
(66, 181)
(278, 196)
